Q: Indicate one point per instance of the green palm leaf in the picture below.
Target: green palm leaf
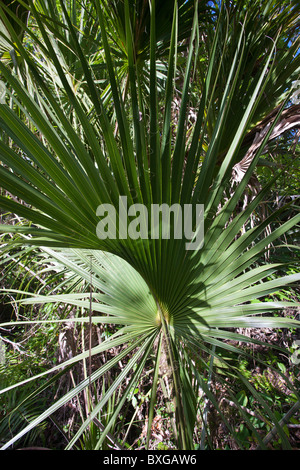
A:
(149, 287)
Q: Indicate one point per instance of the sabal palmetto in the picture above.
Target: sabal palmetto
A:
(262, 22)
(84, 19)
(21, 12)
(160, 295)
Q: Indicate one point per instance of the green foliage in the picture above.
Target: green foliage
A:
(288, 182)
(83, 125)
(16, 409)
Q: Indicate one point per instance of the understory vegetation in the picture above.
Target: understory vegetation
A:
(140, 343)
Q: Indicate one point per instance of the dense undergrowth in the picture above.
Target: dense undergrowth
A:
(273, 371)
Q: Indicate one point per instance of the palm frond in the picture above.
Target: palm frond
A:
(60, 174)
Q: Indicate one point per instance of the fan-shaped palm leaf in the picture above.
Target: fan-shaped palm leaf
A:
(150, 287)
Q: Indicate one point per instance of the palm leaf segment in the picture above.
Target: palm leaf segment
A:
(149, 287)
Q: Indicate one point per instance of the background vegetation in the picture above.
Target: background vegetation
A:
(141, 344)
